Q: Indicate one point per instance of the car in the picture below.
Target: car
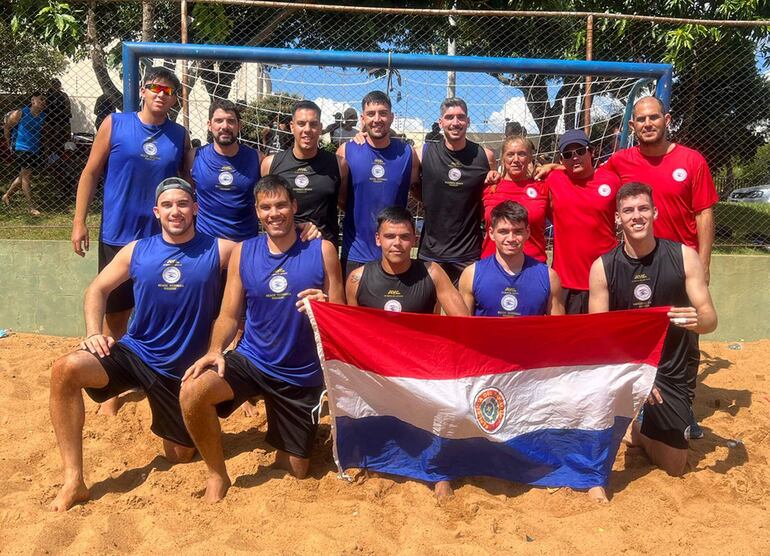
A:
(756, 194)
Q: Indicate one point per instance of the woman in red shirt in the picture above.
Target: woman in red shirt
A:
(517, 185)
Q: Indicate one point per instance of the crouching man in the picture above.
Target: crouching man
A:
(645, 271)
(276, 357)
(176, 282)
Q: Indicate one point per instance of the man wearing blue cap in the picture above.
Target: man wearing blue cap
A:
(582, 202)
(176, 282)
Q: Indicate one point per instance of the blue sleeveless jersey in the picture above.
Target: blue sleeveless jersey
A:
(379, 178)
(278, 338)
(225, 189)
(28, 131)
(177, 292)
(141, 156)
(498, 294)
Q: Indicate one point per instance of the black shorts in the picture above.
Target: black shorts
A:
(292, 411)
(576, 302)
(669, 422)
(127, 371)
(121, 298)
(454, 269)
(28, 161)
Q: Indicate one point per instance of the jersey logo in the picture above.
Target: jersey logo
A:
(680, 174)
(225, 178)
(509, 302)
(301, 181)
(531, 192)
(642, 292)
(393, 306)
(278, 284)
(489, 409)
(604, 190)
(150, 148)
(455, 174)
(378, 171)
(171, 274)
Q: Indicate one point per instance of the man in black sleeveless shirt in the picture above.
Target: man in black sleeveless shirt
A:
(645, 271)
(315, 176)
(398, 283)
(454, 171)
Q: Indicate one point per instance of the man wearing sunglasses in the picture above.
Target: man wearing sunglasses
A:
(582, 204)
(133, 151)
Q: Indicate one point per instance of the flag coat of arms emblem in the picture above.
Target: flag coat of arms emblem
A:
(537, 400)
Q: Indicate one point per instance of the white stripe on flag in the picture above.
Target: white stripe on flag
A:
(585, 397)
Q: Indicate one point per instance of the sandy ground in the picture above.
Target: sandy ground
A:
(140, 503)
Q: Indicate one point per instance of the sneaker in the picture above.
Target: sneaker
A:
(696, 433)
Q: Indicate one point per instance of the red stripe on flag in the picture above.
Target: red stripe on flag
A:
(442, 347)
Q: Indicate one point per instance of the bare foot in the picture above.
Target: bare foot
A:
(598, 494)
(216, 488)
(443, 489)
(6, 200)
(249, 408)
(631, 437)
(69, 495)
(35, 212)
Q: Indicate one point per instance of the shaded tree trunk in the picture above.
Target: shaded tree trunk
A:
(98, 59)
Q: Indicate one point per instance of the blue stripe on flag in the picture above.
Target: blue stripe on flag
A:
(552, 457)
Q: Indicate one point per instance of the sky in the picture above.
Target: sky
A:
(417, 96)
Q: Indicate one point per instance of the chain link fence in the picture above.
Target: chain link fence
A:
(720, 101)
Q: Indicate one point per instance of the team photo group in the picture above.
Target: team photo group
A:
(208, 258)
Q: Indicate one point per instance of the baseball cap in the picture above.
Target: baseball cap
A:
(174, 183)
(576, 136)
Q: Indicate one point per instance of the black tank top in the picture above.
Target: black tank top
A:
(316, 185)
(656, 280)
(412, 291)
(452, 184)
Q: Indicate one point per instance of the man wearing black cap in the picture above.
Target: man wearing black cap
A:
(582, 202)
(176, 282)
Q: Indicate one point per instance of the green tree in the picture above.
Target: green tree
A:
(259, 114)
(28, 64)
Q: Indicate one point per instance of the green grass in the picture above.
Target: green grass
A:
(19, 224)
(742, 223)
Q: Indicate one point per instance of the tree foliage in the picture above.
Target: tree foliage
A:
(28, 64)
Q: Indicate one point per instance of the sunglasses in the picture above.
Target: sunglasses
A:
(157, 89)
(580, 151)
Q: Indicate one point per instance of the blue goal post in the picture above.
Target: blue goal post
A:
(645, 72)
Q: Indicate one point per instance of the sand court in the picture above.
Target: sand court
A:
(141, 503)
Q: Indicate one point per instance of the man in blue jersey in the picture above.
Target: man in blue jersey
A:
(224, 173)
(26, 144)
(276, 357)
(176, 279)
(510, 284)
(133, 151)
(382, 170)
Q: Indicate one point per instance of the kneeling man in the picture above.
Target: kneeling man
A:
(276, 357)
(176, 277)
(645, 271)
(510, 284)
(396, 282)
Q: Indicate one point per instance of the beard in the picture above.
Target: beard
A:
(228, 139)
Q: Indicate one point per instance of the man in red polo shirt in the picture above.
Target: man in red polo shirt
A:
(582, 203)
(679, 176)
